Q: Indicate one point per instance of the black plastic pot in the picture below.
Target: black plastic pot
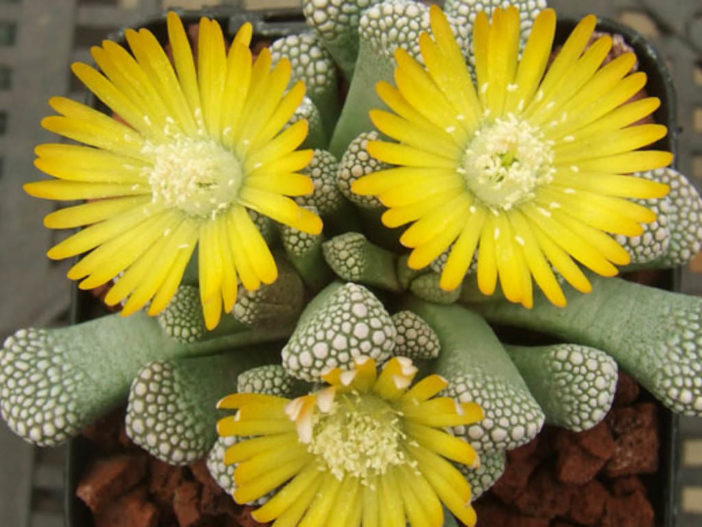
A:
(277, 23)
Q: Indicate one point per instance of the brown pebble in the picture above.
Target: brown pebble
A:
(588, 503)
(514, 478)
(597, 441)
(636, 453)
(574, 465)
(627, 390)
(626, 485)
(130, 510)
(633, 510)
(544, 496)
(163, 480)
(109, 478)
(186, 499)
(621, 420)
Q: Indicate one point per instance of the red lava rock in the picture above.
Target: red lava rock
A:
(636, 453)
(636, 437)
(633, 510)
(132, 510)
(573, 463)
(544, 496)
(622, 420)
(626, 485)
(515, 476)
(109, 478)
(523, 452)
(588, 503)
(164, 479)
(185, 504)
(597, 441)
(627, 390)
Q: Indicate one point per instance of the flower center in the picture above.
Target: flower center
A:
(195, 175)
(505, 161)
(361, 436)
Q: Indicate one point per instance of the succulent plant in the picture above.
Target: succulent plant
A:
(464, 155)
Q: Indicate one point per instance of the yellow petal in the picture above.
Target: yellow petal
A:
(508, 261)
(169, 285)
(101, 232)
(287, 141)
(211, 71)
(155, 62)
(248, 448)
(288, 495)
(237, 400)
(421, 138)
(292, 515)
(263, 103)
(164, 251)
(442, 443)
(503, 49)
(561, 261)
(398, 216)
(619, 118)
(236, 89)
(254, 245)
(114, 98)
(244, 267)
(538, 266)
(209, 261)
(595, 212)
(270, 480)
(184, 62)
(114, 256)
(606, 245)
(281, 209)
(566, 58)
(290, 184)
(413, 192)
(580, 74)
(461, 254)
(571, 243)
(94, 212)
(281, 115)
(228, 426)
(425, 389)
(609, 143)
(384, 180)
(398, 154)
(487, 262)
(416, 87)
(533, 62)
(611, 184)
(321, 507)
(263, 463)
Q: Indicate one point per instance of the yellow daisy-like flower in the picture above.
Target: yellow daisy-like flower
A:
(367, 450)
(192, 147)
(528, 169)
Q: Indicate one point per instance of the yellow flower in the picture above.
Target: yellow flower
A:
(528, 169)
(190, 150)
(366, 450)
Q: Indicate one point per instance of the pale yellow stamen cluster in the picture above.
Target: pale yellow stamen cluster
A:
(505, 161)
(361, 436)
(193, 174)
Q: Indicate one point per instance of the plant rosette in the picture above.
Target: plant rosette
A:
(474, 148)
